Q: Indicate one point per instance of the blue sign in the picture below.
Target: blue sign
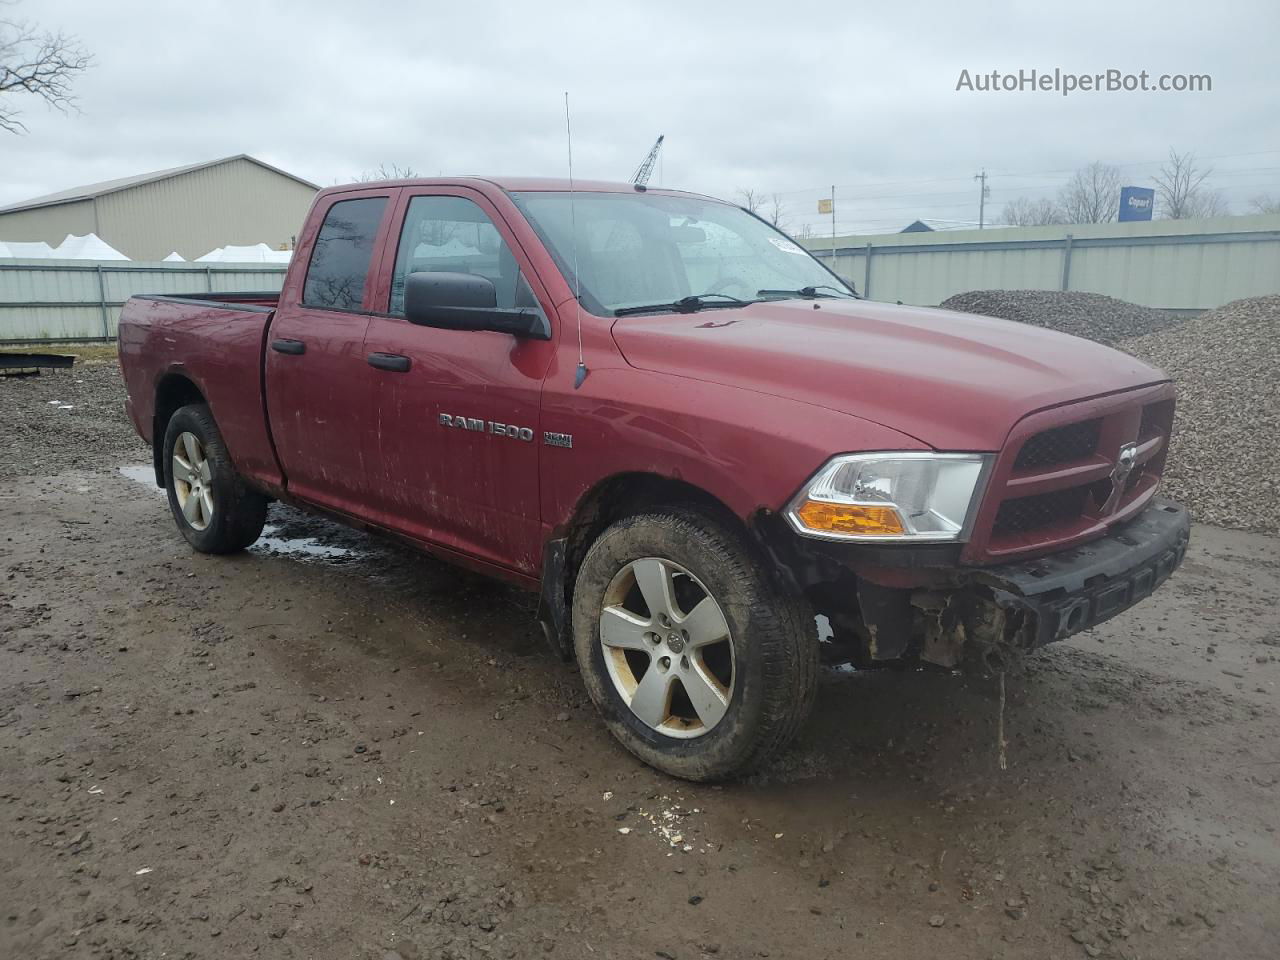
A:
(1136, 203)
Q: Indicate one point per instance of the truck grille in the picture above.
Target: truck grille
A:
(1157, 419)
(1075, 441)
(1042, 510)
(1066, 475)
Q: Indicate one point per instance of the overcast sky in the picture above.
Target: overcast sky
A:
(781, 97)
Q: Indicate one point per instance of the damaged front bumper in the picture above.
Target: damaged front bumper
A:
(1008, 610)
(893, 604)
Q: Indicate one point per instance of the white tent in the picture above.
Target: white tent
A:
(88, 247)
(175, 257)
(255, 253)
(20, 249)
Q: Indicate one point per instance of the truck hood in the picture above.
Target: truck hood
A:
(955, 381)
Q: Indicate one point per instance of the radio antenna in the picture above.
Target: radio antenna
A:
(581, 374)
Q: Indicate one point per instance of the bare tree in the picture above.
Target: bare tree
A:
(1025, 212)
(753, 200)
(1265, 203)
(1211, 203)
(387, 172)
(1183, 192)
(776, 212)
(43, 64)
(1092, 195)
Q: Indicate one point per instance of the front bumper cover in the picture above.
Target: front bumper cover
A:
(1001, 613)
(898, 603)
(1081, 587)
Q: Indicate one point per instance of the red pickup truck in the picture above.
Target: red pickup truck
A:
(690, 437)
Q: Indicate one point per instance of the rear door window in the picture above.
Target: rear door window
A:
(339, 265)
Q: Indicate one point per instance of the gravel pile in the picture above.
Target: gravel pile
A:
(1225, 459)
(65, 420)
(1091, 315)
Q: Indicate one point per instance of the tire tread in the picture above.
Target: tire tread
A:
(787, 648)
(241, 512)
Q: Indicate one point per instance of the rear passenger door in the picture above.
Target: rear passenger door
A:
(452, 451)
(316, 371)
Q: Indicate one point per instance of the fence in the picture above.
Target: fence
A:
(45, 301)
(1172, 264)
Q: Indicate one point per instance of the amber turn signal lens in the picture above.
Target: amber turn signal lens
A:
(822, 517)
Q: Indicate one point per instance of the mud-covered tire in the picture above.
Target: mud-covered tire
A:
(238, 513)
(774, 645)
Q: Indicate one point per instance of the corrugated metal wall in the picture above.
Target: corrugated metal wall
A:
(50, 224)
(1174, 264)
(81, 300)
(237, 202)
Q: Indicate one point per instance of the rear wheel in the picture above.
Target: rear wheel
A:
(700, 665)
(214, 509)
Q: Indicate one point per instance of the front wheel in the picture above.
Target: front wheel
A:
(213, 508)
(700, 665)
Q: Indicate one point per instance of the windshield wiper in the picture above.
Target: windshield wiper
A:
(686, 304)
(808, 293)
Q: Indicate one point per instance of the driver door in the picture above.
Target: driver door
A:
(443, 465)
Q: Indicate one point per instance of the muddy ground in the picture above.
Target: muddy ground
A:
(329, 747)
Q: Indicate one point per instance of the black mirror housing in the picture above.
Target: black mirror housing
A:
(465, 301)
(423, 291)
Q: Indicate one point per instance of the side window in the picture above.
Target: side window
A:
(340, 261)
(453, 235)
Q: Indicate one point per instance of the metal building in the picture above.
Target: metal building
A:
(1170, 264)
(191, 210)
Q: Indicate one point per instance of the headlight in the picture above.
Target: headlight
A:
(890, 496)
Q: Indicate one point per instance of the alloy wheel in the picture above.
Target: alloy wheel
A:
(667, 647)
(193, 481)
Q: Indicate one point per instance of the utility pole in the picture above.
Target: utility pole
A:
(982, 197)
(833, 228)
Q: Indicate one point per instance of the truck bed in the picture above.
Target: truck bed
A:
(234, 301)
(215, 342)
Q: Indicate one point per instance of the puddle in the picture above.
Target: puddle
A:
(303, 548)
(306, 548)
(142, 473)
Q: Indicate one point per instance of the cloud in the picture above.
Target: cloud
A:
(780, 97)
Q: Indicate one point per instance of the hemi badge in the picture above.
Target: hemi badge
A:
(558, 439)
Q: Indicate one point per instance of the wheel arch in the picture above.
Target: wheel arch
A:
(610, 500)
(173, 391)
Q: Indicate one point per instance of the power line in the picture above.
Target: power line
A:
(1238, 190)
(1067, 171)
(816, 191)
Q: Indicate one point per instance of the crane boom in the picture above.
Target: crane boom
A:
(643, 172)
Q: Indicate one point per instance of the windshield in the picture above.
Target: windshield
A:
(637, 250)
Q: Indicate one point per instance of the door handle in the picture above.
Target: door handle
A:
(288, 346)
(389, 361)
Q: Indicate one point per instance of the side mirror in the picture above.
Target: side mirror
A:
(464, 301)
